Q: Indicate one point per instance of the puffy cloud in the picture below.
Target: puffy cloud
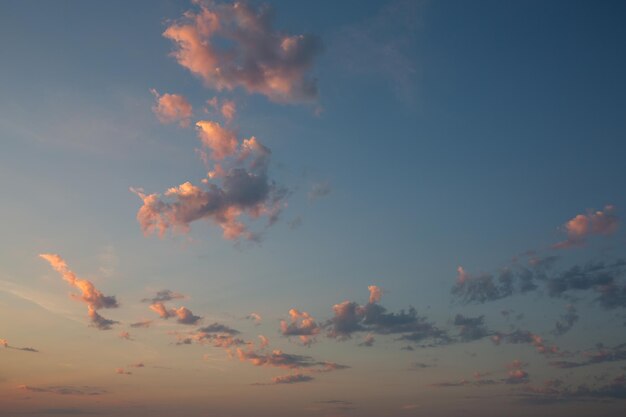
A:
(172, 108)
(516, 375)
(98, 321)
(90, 295)
(471, 328)
(228, 110)
(301, 324)
(239, 191)
(376, 293)
(124, 335)
(183, 314)
(222, 142)
(234, 45)
(582, 226)
(350, 317)
(292, 379)
(264, 341)
(162, 311)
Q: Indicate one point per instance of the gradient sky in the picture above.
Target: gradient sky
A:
(355, 208)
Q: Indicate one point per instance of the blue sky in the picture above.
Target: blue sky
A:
(442, 134)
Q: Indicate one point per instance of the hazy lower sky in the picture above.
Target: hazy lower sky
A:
(354, 208)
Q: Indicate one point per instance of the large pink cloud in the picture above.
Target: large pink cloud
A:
(234, 45)
(242, 190)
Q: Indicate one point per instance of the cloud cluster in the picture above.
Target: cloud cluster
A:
(234, 45)
(603, 278)
(90, 295)
(300, 324)
(239, 190)
(350, 317)
(183, 314)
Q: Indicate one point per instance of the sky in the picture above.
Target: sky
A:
(279, 208)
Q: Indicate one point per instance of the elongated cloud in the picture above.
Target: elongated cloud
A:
(163, 296)
(582, 226)
(234, 45)
(291, 379)
(5, 344)
(90, 295)
(280, 359)
(172, 108)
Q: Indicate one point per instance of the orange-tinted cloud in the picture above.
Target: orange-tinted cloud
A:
(582, 226)
(234, 45)
(221, 141)
(172, 108)
(90, 295)
(301, 324)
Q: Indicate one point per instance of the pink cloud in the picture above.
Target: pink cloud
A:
(257, 58)
(376, 293)
(90, 295)
(221, 141)
(172, 108)
(582, 226)
(301, 324)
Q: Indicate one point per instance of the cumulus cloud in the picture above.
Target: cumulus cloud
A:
(98, 321)
(172, 108)
(471, 328)
(582, 226)
(183, 314)
(234, 45)
(222, 142)
(239, 191)
(300, 324)
(350, 317)
(90, 295)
